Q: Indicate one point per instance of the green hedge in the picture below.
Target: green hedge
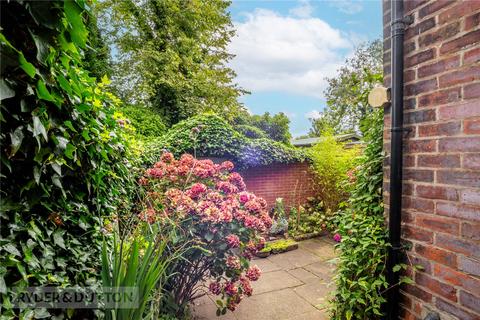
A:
(217, 138)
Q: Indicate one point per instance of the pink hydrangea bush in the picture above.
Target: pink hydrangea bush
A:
(219, 221)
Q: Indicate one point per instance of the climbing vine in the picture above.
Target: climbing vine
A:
(64, 163)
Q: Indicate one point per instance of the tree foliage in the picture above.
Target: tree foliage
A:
(347, 93)
(64, 167)
(172, 54)
(146, 121)
(276, 126)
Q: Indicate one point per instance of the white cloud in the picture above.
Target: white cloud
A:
(347, 6)
(313, 114)
(285, 53)
(304, 10)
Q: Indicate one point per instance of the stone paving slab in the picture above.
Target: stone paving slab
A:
(275, 280)
(294, 285)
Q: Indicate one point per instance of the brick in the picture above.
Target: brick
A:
(408, 76)
(436, 223)
(409, 47)
(461, 144)
(439, 129)
(470, 301)
(457, 245)
(417, 292)
(433, 7)
(419, 116)
(415, 30)
(461, 76)
(441, 34)
(439, 161)
(469, 266)
(438, 67)
(461, 111)
(460, 42)
(420, 87)
(471, 196)
(471, 231)
(434, 192)
(437, 255)
(471, 161)
(471, 91)
(440, 97)
(472, 126)
(426, 265)
(412, 4)
(472, 21)
(457, 278)
(415, 146)
(437, 287)
(460, 211)
(417, 234)
(419, 58)
(423, 205)
(418, 175)
(462, 9)
(471, 57)
(454, 310)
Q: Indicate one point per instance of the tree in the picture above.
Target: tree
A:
(276, 127)
(347, 93)
(172, 55)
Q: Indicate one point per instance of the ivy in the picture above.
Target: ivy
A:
(209, 135)
(363, 249)
(64, 163)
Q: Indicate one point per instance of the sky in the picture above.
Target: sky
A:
(284, 50)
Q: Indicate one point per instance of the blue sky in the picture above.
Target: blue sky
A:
(284, 49)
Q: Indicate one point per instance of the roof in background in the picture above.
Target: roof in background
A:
(308, 142)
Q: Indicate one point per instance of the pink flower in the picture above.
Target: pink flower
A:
(167, 157)
(196, 190)
(246, 286)
(233, 241)
(244, 197)
(231, 289)
(143, 181)
(337, 237)
(253, 206)
(226, 187)
(215, 288)
(233, 263)
(253, 273)
(148, 215)
(232, 305)
(227, 166)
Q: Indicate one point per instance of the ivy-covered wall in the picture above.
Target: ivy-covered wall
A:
(208, 135)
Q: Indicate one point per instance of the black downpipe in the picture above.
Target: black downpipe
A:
(398, 30)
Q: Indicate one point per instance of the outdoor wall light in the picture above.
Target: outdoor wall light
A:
(379, 96)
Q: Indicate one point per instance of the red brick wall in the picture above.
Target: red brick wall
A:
(441, 206)
(292, 182)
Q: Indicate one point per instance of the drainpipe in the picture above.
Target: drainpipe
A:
(398, 30)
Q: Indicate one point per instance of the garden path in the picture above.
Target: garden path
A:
(295, 285)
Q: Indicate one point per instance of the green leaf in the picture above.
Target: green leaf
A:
(10, 248)
(17, 138)
(396, 268)
(42, 91)
(69, 150)
(42, 48)
(38, 128)
(5, 91)
(78, 31)
(58, 239)
(26, 66)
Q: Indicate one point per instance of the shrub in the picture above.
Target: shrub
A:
(280, 222)
(64, 164)
(331, 162)
(360, 280)
(214, 137)
(219, 221)
(147, 122)
(310, 218)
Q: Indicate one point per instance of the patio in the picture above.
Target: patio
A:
(295, 285)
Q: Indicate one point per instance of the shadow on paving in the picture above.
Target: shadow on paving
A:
(295, 285)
